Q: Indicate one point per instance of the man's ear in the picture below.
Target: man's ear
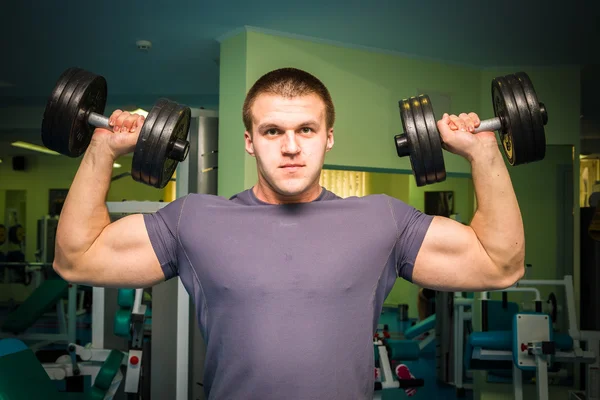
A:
(329, 140)
(249, 144)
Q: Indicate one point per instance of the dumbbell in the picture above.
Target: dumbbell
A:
(75, 108)
(519, 118)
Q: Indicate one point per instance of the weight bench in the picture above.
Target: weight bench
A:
(41, 301)
(23, 377)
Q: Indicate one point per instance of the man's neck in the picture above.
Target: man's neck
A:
(270, 196)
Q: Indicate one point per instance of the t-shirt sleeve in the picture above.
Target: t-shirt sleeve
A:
(411, 225)
(162, 227)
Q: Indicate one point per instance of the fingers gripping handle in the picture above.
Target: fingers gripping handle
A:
(178, 152)
(403, 145)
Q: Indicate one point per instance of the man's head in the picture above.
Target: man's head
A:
(288, 115)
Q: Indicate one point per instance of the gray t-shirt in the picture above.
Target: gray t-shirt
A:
(288, 296)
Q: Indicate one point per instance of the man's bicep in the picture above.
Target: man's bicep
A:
(121, 256)
(138, 250)
(451, 258)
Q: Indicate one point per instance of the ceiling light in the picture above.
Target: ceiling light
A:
(143, 45)
(34, 147)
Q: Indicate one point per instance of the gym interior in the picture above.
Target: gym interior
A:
(59, 340)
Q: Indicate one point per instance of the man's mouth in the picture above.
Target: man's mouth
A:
(291, 167)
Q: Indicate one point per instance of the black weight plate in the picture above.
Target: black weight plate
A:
(177, 127)
(424, 142)
(529, 149)
(49, 137)
(506, 109)
(150, 171)
(143, 145)
(93, 100)
(149, 174)
(408, 124)
(434, 139)
(90, 89)
(538, 121)
(78, 93)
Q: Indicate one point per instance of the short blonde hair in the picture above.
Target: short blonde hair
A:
(288, 82)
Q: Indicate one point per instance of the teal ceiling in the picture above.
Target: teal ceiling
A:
(39, 39)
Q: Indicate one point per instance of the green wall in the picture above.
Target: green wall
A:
(57, 172)
(232, 88)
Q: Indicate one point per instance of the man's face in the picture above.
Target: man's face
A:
(289, 140)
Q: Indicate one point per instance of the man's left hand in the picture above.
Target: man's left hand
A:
(458, 137)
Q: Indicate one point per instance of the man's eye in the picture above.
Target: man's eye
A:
(306, 130)
(272, 132)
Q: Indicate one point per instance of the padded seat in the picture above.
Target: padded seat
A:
(418, 329)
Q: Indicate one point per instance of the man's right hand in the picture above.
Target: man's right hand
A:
(125, 127)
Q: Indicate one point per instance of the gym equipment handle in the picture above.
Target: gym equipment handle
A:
(99, 121)
(492, 124)
(180, 148)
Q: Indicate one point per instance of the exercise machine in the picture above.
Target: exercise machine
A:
(23, 377)
(530, 343)
(130, 323)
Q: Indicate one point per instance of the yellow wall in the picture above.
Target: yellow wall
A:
(395, 185)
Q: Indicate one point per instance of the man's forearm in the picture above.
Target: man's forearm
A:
(84, 214)
(497, 222)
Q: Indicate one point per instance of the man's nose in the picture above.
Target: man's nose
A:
(290, 144)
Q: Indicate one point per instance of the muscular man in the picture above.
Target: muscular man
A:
(288, 279)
